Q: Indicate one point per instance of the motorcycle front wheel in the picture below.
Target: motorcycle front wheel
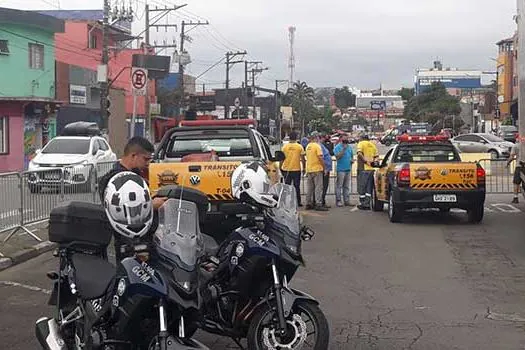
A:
(307, 329)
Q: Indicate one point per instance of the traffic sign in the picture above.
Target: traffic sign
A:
(139, 81)
(237, 102)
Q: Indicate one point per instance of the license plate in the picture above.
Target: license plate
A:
(52, 176)
(445, 198)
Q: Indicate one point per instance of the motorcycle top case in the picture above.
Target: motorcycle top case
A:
(76, 221)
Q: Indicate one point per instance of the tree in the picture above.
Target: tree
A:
(406, 93)
(432, 105)
(301, 97)
(344, 98)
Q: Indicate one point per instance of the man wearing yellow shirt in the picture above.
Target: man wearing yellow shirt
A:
(291, 167)
(366, 155)
(314, 172)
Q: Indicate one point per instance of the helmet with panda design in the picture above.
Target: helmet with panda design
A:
(250, 183)
(128, 206)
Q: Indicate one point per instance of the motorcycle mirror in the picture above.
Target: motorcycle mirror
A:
(307, 233)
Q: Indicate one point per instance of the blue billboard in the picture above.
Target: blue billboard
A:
(423, 83)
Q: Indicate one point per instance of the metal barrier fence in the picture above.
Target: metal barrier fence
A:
(499, 176)
(29, 197)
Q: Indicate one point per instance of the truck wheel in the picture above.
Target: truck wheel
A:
(377, 205)
(395, 211)
(475, 214)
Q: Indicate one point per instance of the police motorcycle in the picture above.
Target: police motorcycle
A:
(246, 293)
(97, 305)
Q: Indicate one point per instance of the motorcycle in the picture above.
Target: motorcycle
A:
(97, 305)
(246, 292)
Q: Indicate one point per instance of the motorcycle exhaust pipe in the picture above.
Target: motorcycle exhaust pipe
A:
(48, 336)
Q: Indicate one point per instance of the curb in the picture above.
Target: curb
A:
(26, 254)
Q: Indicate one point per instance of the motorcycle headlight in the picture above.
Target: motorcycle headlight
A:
(121, 287)
(239, 250)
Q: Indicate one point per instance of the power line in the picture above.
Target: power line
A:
(211, 67)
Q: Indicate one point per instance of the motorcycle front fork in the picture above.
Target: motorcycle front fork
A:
(163, 329)
(279, 298)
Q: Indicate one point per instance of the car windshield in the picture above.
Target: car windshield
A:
(426, 154)
(508, 128)
(225, 144)
(67, 146)
(492, 138)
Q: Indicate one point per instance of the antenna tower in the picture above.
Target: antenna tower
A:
(291, 59)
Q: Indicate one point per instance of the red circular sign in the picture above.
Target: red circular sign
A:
(138, 79)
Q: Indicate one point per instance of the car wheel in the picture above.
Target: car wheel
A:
(395, 210)
(377, 205)
(494, 154)
(475, 214)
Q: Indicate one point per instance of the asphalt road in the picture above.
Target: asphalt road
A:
(432, 282)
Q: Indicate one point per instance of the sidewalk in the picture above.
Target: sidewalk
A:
(22, 247)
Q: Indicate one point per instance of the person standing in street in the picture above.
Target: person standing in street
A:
(314, 174)
(344, 155)
(515, 155)
(366, 155)
(291, 167)
(327, 160)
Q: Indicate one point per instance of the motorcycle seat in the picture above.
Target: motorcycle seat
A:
(93, 275)
(211, 247)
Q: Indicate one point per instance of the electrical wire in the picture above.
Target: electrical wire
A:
(211, 67)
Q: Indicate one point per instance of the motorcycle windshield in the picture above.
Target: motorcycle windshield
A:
(284, 217)
(178, 237)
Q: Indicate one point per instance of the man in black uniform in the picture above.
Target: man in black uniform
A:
(137, 156)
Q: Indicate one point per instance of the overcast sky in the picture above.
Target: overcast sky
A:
(338, 42)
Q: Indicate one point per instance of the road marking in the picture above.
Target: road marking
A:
(25, 286)
(506, 208)
(354, 209)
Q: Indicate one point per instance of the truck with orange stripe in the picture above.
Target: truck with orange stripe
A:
(427, 172)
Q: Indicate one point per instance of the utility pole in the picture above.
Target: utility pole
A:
(183, 38)
(105, 59)
(254, 71)
(278, 109)
(229, 56)
(246, 85)
(149, 25)
(520, 18)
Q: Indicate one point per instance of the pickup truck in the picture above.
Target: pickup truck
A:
(427, 172)
(202, 155)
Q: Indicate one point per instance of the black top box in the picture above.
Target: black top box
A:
(82, 222)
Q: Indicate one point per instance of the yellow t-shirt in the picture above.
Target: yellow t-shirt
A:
(293, 152)
(369, 151)
(313, 163)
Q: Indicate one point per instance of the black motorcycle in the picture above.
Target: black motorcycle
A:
(246, 293)
(97, 305)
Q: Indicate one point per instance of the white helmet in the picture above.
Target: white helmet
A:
(128, 205)
(250, 181)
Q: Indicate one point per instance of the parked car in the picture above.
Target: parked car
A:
(71, 159)
(508, 133)
(483, 143)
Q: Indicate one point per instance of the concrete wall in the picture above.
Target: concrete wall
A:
(14, 159)
(118, 126)
(14, 68)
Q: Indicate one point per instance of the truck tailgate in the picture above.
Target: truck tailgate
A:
(443, 176)
(212, 178)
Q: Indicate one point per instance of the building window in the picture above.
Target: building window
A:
(36, 56)
(4, 48)
(4, 135)
(92, 41)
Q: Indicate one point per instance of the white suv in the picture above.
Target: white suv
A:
(71, 159)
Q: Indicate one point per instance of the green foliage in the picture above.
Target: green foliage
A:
(406, 93)
(301, 97)
(432, 105)
(507, 121)
(344, 98)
